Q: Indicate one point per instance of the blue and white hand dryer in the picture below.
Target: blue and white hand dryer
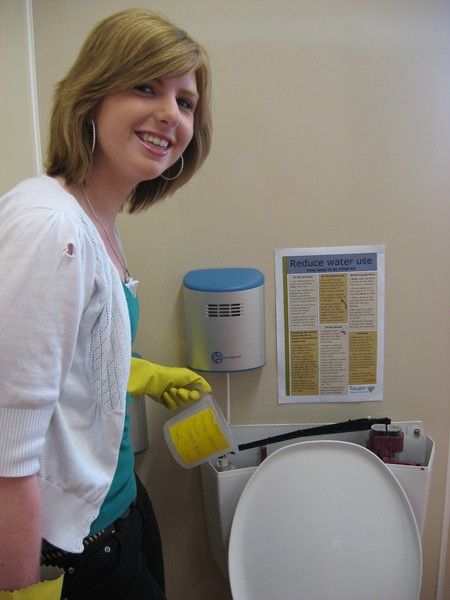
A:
(224, 319)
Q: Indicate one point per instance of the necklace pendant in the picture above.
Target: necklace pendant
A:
(121, 259)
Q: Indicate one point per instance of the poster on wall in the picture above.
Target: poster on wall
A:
(330, 324)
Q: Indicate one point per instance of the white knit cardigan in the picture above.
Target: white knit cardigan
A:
(64, 356)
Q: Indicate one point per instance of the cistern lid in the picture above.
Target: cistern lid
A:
(324, 520)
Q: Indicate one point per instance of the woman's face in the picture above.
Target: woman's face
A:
(141, 132)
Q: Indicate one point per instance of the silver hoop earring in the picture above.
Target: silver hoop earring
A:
(179, 172)
(94, 135)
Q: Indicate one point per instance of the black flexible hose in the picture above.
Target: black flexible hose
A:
(345, 427)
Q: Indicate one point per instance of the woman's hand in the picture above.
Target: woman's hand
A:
(166, 385)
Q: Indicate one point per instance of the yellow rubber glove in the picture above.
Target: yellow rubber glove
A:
(45, 590)
(166, 385)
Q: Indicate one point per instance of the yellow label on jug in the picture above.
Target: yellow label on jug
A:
(198, 437)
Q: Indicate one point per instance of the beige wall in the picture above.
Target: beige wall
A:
(17, 148)
(332, 127)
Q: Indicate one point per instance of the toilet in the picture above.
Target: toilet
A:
(324, 520)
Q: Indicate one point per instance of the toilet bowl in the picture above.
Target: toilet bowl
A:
(324, 520)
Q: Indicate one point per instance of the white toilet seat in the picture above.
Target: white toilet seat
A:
(324, 520)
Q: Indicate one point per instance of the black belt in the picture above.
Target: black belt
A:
(50, 552)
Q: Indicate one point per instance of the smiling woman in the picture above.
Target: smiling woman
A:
(132, 49)
(130, 124)
(141, 134)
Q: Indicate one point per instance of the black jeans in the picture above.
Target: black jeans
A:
(127, 564)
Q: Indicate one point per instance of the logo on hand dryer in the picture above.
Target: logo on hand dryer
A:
(217, 357)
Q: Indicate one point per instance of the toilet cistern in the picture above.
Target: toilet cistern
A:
(223, 484)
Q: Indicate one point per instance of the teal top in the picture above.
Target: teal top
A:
(123, 487)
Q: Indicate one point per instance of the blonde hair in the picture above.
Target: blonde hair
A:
(121, 52)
